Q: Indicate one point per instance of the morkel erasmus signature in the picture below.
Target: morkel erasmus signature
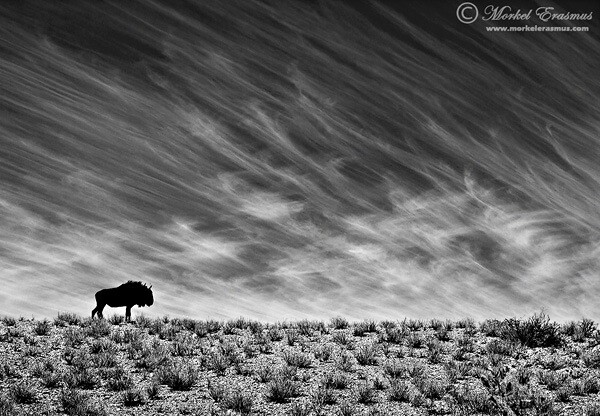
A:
(545, 14)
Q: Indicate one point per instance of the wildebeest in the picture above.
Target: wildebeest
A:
(128, 294)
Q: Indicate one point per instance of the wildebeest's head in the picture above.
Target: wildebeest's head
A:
(145, 296)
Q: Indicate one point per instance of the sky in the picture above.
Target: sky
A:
(290, 160)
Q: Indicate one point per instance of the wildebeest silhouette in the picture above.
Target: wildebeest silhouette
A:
(128, 294)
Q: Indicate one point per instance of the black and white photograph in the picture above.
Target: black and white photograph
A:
(299, 207)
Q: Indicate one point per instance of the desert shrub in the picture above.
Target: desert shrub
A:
(8, 369)
(14, 332)
(523, 375)
(103, 345)
(78, 358)
(366, 354)
(442, 334)
(297, 358)
(243, 369)
(48, 372)
(323, 352)
(67, 318)
(448, 325)
(213, 326)
(457, 370)
(415, 369)
(590, 409)
(155, 326)
(551, 379)
(136, 349)
(239, 401)
(264, 372)
(30, 351)
(281, 389)
(347, 408)
(264, 343)
(417, 398)
(292, 336)
(133, 397)
(188, 324)
(554, 362)
(322, 396)
(365, 393)
(231, 352)
(543, 404)
(76, 403)
(339, 323)
(472, 400)
(500, 347)
(142, 321)
(9, 321)
(199, 329)
(335, 380)
(399, 391)
(379, 383)
(586, 385)
(148, 355)
(396, 335)
(126, 335)
(466, 342)
(491, 327)
(591, 359)
(183, 345)
(537, 331)
(42, 327)
(275, 334)
(435, 324)
(256, 327)
(459, 354)
(250, 350)
(435, 351)
(170, 331)
(305, 328)
(564, 393)
(394, 368)
(584, 329)
(235, 325)
(178, 376)
(217, 362)
(341, 338)
(217, 391)
(23, 392)
(81, 377)
(116, 319)
(7, 406)
(414, 324)
(344, 361)
(98, 328)
(301, 409)
(117, 379)
(74, 336)
(431, 388)
(362, 328)
(388, 325)
(465, 323)
(153, 389)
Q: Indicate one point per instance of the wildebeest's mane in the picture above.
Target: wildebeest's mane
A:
(134, 285)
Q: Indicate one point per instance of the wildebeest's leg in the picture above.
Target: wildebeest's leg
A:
(99, 308)
(128, 314)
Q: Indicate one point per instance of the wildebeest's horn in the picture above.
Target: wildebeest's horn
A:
(150, 287)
